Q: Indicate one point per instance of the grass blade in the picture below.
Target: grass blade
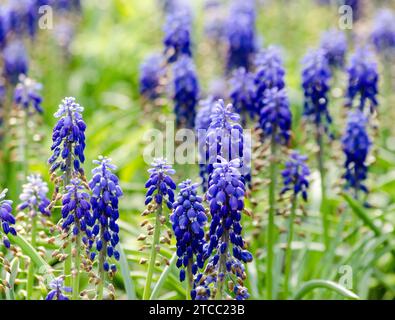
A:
(330, 285)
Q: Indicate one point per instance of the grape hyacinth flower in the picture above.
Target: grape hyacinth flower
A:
(34, 196)
(6, 218)
(58, 291)
(363, 81)
(105, 198)
(226, 248)
(334, 44)
(186, 91)
(188, 220)
(68, 140)
(151, 72)
(356, 145)
(177, 29)
(383, 34)
(242, 93)
(15, 61)
(27, 94)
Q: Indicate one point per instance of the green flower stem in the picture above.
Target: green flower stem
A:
(31, 270)
(68, 250)
(288, 252)
(77, 262)
(271, 225)
(102, 272)
(147, 288)
(165, 274)
(189, 281)
(222, 265)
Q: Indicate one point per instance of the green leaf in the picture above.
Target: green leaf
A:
(329, 285)
(11, 277)
(130, 292)
(163, 277)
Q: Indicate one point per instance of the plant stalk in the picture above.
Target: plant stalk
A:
(102, 272)
(68, 249)
(31, 270)
(76, 275)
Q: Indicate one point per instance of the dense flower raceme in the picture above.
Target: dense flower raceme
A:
(275, 115)
(105, 197)
(177, 29)
(27, 94)
(34, 195)
(58, 290)
(151, 72)
(15, 61)
(68, 138)
(241, 35)
(334, 44)
(160, 185)
(295, 175)
(226, 247)
(363, 80)
(269, 73)
(188, 220)
(7, 220)
(242, 92)
(356, 146)
(186, 91)
(316, 76)
(383, 34)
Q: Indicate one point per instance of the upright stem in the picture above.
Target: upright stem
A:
(68, 261)
(31, 270)
(76, 275)
(189, 280)
(288, 252)
(102, 272)
(147, 288)
(222, 265)
(271, 226)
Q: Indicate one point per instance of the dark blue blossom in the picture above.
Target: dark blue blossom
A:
(177, 40)
(160, 185)
(334, 44)
(15, 61)
(186, 91)
(34, 195)
(27, 94)
(363, 80)
(58, 290)
(7, 220)
(151, 72)
(105, 197)
(242, 92)
(356, 145)
(68, 137)
(356, 7)
(188, 220)
(383, 33)
(275, 115)
(226, 247)
(295, 175)
(22, 17)
(316, 76)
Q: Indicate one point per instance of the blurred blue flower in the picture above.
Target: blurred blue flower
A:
(151, 72)
(58, 290)
(334, 44)
(356, 6)
(295, 175)
(34, 195)
(15, 61)
(383, 33)
(7, 220)
(27, 94)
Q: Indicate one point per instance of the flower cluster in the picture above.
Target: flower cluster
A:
(186, 91)
(15, 61)
(188, 220)
(295, 175)
(316, 76)
(226, 246)
(58, 290)
(383, 34)
(363, 80)
(356, 146)
(334, 44)
(34, 195)
(104, 201)
(68, 137)
(26, 94)
(160, 185)
(275, 115)
(151, 72)
(6, 218)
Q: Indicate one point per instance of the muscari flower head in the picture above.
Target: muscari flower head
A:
(356, 146)
(68, 137)
(15, 61)
(295, 175)
(27, 94)
(34, 195)
(188, 220)
(334, 44)
(356, 7)
(269, 73)
(177, 40)
(7, 220)
(226, 247)
(242, 92)
(383, 34)
(316, 75)
(151, 72)
(186, 91)
(240, 34)
(363, 80)
(58, 290)
(105, 198)
(160, 185)
(22, 17)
